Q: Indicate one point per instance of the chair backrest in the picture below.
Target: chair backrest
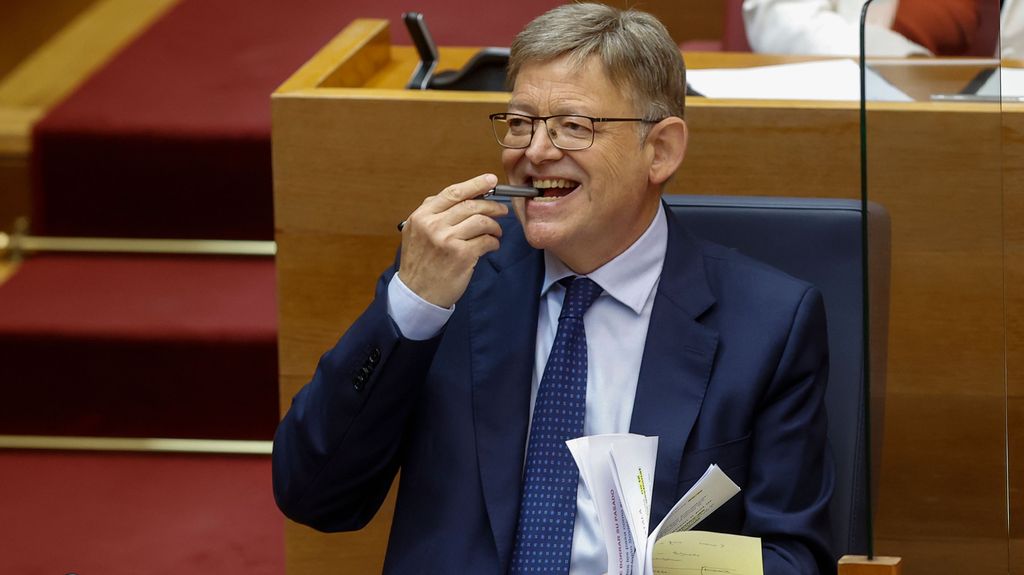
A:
(818, 240)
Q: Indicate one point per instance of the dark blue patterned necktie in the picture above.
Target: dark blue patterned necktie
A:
(548, 507)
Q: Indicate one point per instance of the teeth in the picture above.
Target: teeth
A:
(553, 183)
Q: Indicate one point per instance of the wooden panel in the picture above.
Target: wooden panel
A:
(15, 184)
(951, 555)
(15, 127)
(349, 60)
(7, 269)
(52, 71)
(25, 25)
(350, 163)
(684, 19)
(778, 141)
(861, 565)
(1016, 556)
(15, 191)
(310, 266)
(932, 443)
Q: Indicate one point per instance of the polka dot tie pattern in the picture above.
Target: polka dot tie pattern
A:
(548, 507)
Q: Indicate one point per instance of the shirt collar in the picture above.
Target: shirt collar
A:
(629, 277)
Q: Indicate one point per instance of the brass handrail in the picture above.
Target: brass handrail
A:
(19, 243)
(140, 444)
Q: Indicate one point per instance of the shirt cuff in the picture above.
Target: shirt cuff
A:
(415, 317)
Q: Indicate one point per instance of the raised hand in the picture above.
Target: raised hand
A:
(443, 239)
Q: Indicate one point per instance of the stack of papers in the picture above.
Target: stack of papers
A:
(618, 471)
(837, 80)
(1012, 80)
(1007, 83)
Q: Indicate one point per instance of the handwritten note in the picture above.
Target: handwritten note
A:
(707, 553)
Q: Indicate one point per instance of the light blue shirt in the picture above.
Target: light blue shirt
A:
(616, 328)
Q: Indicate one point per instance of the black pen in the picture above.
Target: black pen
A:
(505, 191)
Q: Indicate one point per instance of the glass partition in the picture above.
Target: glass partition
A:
(1012, 108)
(934, 161)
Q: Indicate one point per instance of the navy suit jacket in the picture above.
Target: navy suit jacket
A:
(733, 373)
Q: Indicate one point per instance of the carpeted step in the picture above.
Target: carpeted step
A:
(139, 346)
(124, 514)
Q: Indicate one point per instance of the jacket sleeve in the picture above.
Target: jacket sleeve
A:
(338, 448)
(790, 511)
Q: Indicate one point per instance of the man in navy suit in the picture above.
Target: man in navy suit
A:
(721, 357)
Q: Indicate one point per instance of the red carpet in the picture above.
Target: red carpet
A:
(139, 346)
(114, 514)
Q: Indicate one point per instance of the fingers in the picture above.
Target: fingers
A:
(476, 225)
(461, 192)
(470, 209)
(455, 204)
(443, 239)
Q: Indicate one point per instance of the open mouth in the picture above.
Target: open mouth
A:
(552, 189)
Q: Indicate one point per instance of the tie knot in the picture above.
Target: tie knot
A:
(582, 292)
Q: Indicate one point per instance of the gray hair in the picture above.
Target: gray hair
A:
(639, 56)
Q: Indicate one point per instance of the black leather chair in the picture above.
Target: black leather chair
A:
(819, 240)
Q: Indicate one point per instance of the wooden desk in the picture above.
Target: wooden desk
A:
(354, 154)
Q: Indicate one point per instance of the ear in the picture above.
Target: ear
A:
(667, 140)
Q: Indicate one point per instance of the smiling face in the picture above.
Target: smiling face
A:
(597, 201)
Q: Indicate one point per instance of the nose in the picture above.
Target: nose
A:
(541, 148)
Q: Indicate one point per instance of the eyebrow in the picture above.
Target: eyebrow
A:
(531, 111)
(519, 107)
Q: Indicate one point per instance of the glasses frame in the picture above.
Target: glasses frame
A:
(544, 119)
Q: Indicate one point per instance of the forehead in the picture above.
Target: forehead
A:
(564, 86)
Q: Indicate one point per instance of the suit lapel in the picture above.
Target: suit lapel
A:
(678, 357)
(503, 332)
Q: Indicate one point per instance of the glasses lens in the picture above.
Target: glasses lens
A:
(565, 132)
(512, 131)
(571, 132)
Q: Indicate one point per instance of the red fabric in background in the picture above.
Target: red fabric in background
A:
(142, 346)
(172, 137)
(125, 514)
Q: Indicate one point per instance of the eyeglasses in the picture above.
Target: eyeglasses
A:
(566, 131)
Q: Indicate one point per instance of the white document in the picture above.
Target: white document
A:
(835, 80)
(1007, 82)
(618, 471)
(709, 493)
(632, 465)
(1012, 80)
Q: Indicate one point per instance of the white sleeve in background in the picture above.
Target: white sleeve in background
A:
(1012, 33)
(415, 317)
(824, 27)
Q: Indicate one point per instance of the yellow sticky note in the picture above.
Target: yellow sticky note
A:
(707, 553)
